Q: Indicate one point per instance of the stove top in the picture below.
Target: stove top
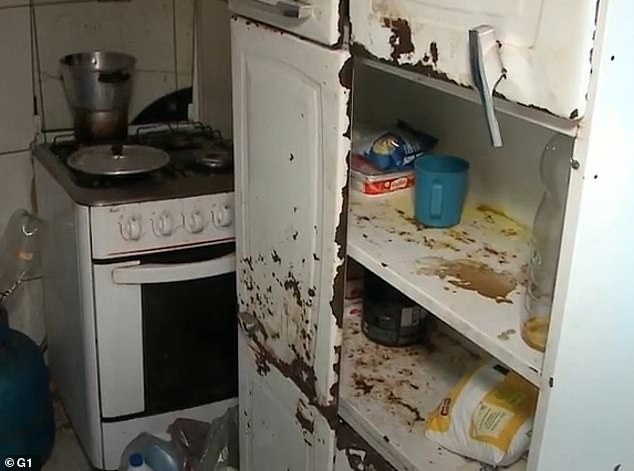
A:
(200, 163)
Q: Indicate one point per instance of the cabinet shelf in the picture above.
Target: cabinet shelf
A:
(532, 115)
(386, 393)
(472, 276)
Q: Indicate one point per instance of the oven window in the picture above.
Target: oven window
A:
(189, 342)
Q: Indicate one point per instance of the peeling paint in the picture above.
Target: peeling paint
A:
(292, 295)
(343, 22)
(527, 54)
(307, 423)
(433, 50)
(419, 67)
(346, 77)
(401, 38)
(506, 335)
(359, 454)
(299, 372)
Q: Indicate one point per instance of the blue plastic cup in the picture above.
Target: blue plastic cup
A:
(441, 188)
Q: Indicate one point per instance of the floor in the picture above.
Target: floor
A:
(67, 454)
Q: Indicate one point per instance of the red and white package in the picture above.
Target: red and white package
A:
(353, 307)
(373, 182)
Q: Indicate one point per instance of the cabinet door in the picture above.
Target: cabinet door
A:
(291, 173)
(319, 20)
(545, 45)
(16, 90)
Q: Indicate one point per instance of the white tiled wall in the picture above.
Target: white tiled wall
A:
(16, 175)
(159, 33)
(214, 64)
(16, 95)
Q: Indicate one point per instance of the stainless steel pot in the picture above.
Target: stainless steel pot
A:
(98, 87)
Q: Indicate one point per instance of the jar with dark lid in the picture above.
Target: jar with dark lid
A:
(389, 317)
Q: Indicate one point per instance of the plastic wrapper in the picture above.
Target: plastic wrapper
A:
(487, 416)
(393, 149)
(369, 181)
(208, 447)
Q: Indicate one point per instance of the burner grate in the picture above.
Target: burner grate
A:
(190, 146)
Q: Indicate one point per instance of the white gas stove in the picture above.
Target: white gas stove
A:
(139, 288)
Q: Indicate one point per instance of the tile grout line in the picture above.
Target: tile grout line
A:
(30, 3)
(37, 66)
(174, 45)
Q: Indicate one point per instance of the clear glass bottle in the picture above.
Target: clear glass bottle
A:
(546, 241)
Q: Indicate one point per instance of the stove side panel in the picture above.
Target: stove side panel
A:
(69, 309)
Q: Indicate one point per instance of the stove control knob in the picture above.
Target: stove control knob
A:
(131, 228)
(195, 222)
(223, 216)
(164, 225)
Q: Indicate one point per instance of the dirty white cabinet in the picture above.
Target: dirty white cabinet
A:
(314, 392)
(545, 45)
(289, 125)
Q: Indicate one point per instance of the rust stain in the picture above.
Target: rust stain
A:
(360, 454)
(275, 257)
(306, 423)
(249, 262)
(471, 275)
(361, 383)
(396, 400)
(433, 51)
(489, 212)
(346, 76)
(401, 37)
(298, 371)
(344, 15)
(506, 334)
(418, 67)
(460, 236)
(261, 365)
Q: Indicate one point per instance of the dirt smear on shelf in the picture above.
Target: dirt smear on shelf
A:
(471, 275)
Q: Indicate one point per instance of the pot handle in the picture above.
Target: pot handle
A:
(114, 77)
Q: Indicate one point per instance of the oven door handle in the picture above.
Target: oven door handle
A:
(167, 273)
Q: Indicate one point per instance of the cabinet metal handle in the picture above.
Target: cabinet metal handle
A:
(487, 71)
(249, 323)
(295, 9)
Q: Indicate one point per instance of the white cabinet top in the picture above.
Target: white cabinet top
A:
(545, 45)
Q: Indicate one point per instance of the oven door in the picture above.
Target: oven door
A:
(166, 331)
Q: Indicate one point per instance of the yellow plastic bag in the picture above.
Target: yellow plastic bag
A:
(487, 416)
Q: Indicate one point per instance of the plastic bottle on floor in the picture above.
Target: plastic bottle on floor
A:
(136, 462)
